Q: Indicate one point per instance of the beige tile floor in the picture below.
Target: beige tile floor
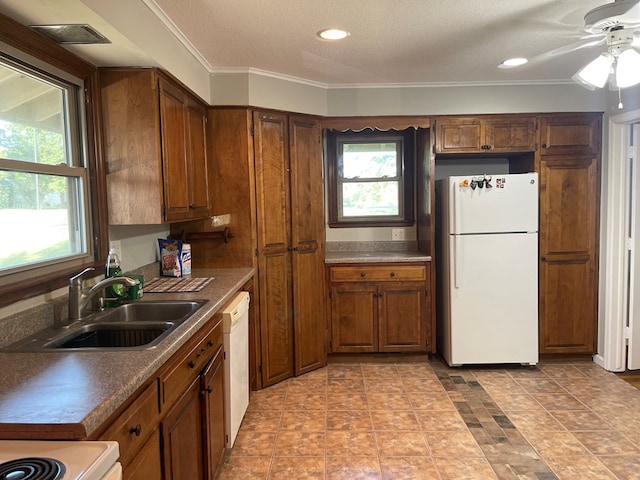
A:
(427, 421)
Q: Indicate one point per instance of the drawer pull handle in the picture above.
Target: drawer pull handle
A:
(192, 364)
(136, 430)
(362, 274)
(393, 274)
(210, 343)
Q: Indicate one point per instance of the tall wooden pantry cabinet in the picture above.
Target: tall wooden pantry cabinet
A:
(569, 159)
(267, 170)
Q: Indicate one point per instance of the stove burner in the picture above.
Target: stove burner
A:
(32, 468)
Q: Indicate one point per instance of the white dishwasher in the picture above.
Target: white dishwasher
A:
(236, 364)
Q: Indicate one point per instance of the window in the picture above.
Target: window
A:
(42, 177)
(52, 195)
(370, 178)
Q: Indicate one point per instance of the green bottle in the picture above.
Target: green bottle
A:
(115, 293)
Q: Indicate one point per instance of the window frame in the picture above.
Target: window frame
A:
(24, 46)
(334, 140)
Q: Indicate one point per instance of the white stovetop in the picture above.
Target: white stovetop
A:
(82, 460)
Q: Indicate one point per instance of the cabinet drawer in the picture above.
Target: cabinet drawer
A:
(187, 367)
(379, 273)
(132, 428)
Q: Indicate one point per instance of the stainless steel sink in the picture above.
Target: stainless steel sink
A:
(158, 311)
(133, 326)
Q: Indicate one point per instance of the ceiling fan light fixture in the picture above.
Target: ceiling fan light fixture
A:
(628, 68)
(513, 62)
(332, 34)
(595, 73)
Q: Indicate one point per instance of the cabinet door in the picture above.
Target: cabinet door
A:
(147, 464)
(569, 205)
(182, 437)
(212, 385)
(274, 248)
(354, 318)
(307, 234)
(578, 134)
(174, 152)
(510, 134)
(402, 318)
(199, 185)
(459, 135)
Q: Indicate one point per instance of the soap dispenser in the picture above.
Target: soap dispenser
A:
(114, 293)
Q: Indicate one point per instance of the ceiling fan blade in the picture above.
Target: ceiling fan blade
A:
(618, 13)
(590, 41)
(572, 47)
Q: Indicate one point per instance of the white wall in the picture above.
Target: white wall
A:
(443, 100)
(139, 243)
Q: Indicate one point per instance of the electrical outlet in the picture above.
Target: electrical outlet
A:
(116, 247)
(397, 234)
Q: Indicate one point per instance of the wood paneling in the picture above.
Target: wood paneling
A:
(402, 319)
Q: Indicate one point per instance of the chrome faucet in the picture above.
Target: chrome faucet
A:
(79, 297)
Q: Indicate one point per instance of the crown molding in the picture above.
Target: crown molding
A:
(177, 33)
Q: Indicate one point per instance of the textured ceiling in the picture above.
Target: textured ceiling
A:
(391, 42)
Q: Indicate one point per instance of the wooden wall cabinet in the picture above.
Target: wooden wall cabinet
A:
(569, 225)
(174, 428)
(154, 148)
(497, 134)
(380, 308)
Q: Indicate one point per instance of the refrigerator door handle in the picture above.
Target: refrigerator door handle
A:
(453, 211)
(457, 261)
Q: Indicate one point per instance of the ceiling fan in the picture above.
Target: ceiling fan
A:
(617, 24)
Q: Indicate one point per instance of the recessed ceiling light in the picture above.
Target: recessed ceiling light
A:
(513, 62)
(332, 34)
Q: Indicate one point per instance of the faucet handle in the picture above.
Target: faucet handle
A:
(76, 280)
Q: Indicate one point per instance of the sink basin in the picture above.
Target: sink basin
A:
(132, 326)
(112, 335)
(158, 311)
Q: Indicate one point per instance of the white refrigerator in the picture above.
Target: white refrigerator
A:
(488, 269)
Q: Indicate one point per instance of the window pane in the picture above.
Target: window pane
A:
(370, 199)
(42, 213)
(369, 160)
(31, 119)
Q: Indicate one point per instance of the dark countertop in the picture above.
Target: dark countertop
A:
(363, 256)
(67, 395)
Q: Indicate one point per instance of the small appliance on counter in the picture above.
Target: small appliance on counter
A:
(59, 460)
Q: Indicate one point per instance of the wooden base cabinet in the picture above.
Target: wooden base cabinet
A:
(183, 445)
(382, 308)
(174, 428)
(212, 392)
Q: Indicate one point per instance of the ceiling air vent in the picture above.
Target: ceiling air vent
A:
(71, 33)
